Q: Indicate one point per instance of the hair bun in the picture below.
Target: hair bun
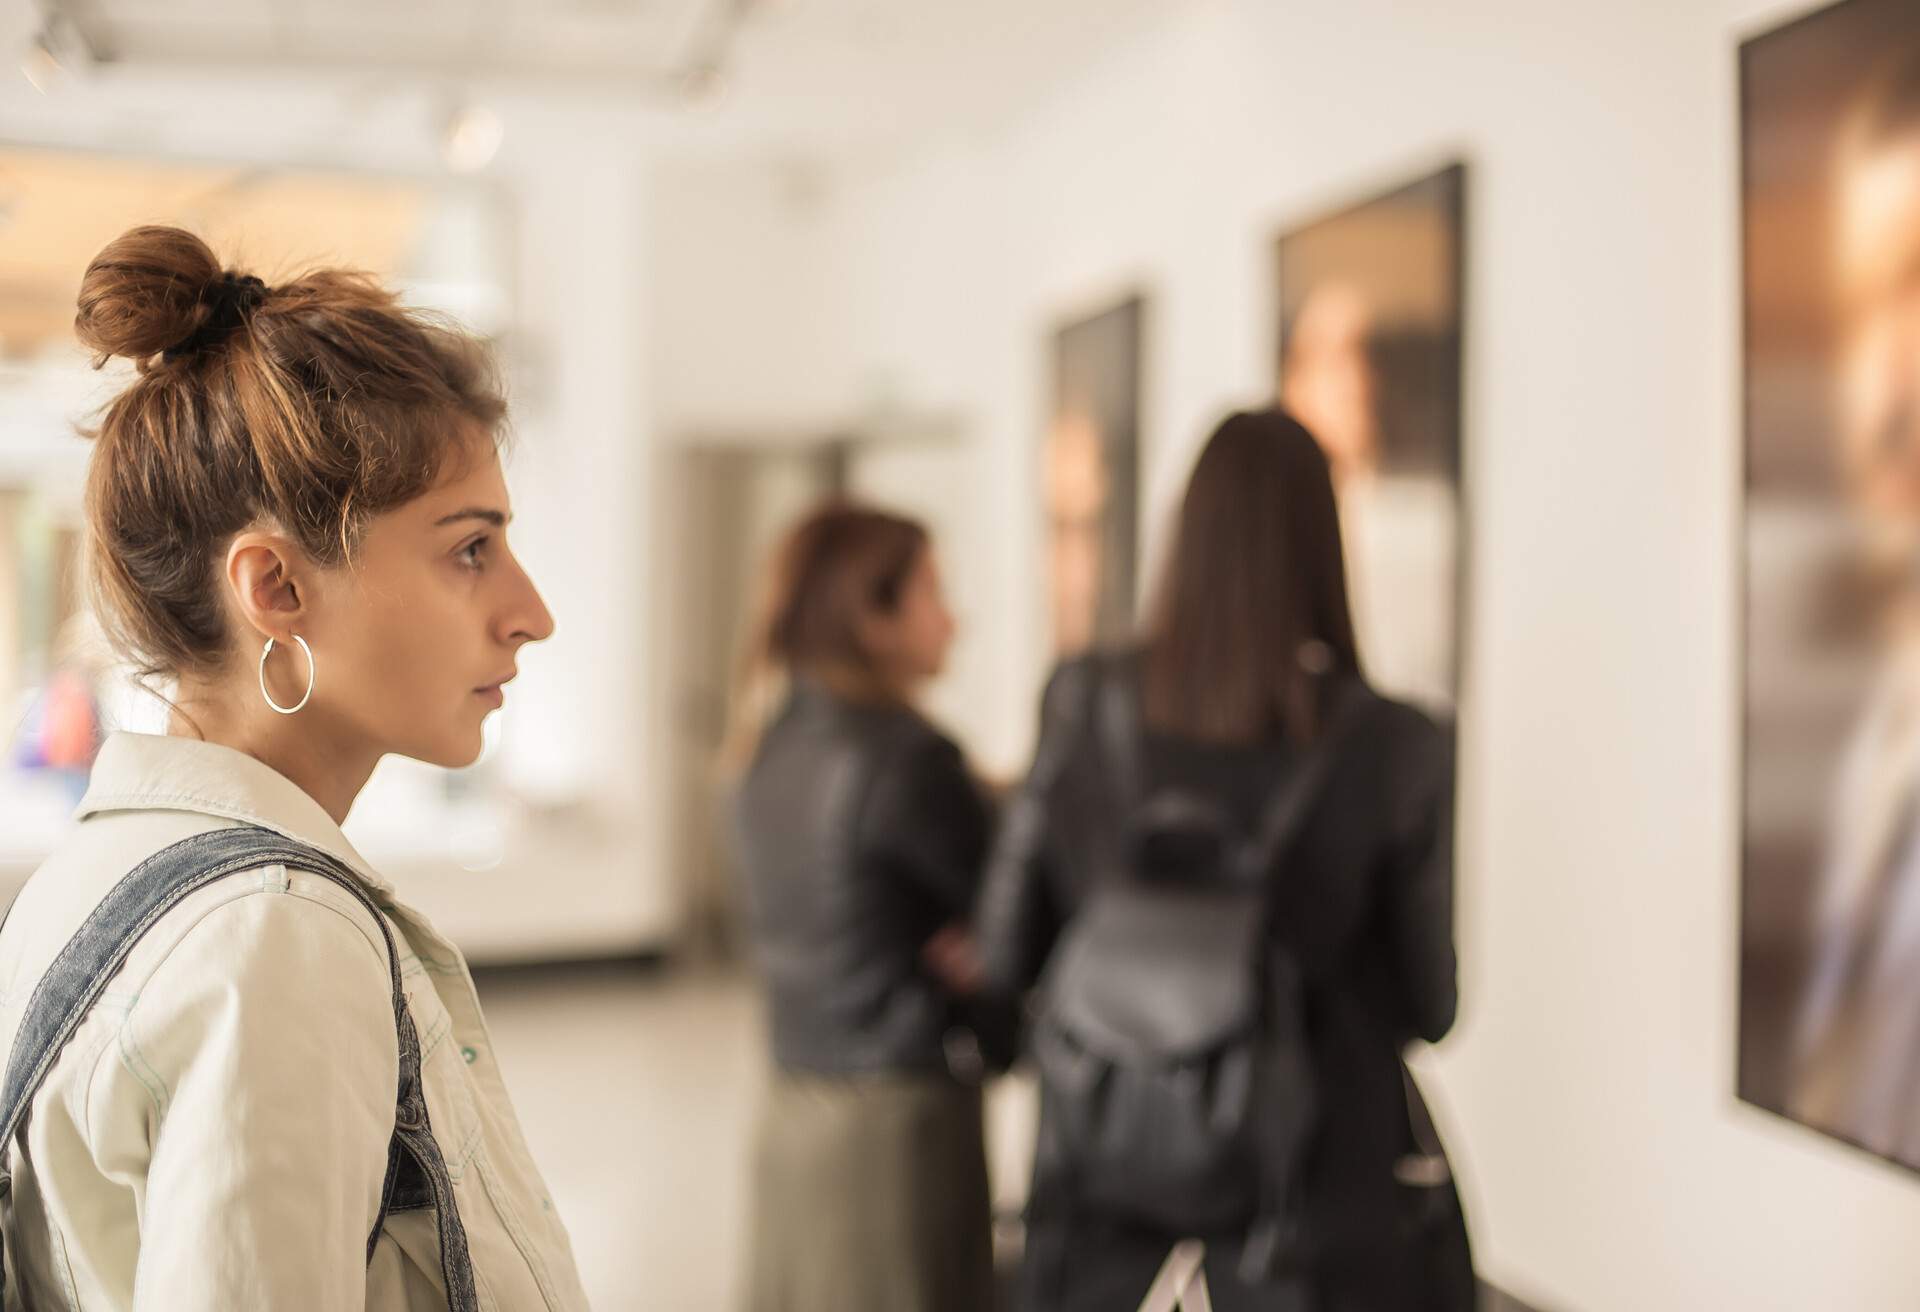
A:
(146, 292)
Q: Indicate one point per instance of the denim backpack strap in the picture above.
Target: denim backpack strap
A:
(78, 975)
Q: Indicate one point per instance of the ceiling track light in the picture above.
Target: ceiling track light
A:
(59, 49)
(40, 65)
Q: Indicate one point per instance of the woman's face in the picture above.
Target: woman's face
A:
(1878, 263)
(910, 643)
(1328, 380)
(415, 640)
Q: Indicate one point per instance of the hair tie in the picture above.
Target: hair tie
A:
(229, 299)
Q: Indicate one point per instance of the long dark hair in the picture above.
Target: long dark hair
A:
(839, 564)
(1250, 616)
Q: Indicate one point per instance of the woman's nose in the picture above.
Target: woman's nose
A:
(531, 620)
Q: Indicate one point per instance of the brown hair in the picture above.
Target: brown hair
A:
(841, 562)
(1251, 610)
(313, 405)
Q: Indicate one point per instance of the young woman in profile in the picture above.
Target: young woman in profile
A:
(1247, 658)
(279, 1092)
(861, 836)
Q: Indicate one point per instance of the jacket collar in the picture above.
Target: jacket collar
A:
(154, 772)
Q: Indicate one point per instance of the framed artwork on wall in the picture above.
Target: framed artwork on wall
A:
(1091, 478)
(1830, 876)
(1369, 353)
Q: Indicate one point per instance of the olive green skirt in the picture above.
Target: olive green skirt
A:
(870, 1195)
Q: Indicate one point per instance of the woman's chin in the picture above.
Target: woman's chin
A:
(458, 752)
(469, 754)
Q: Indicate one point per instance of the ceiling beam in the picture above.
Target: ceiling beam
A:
(678, 82)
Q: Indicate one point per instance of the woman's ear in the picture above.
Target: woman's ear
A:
(269, 581)
(878, 631)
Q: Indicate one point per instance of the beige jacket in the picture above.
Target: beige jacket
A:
(215, 1136)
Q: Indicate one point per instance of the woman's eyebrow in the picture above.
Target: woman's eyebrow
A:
(497, 518)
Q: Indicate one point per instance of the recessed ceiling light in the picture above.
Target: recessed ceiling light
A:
(472, 138)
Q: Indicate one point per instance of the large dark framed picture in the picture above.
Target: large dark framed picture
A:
(1369, 356)
(1830, 887)
(1092, 478)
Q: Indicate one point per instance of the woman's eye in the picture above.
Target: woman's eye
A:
(470, 555)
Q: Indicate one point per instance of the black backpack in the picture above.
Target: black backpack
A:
(1170, 1033)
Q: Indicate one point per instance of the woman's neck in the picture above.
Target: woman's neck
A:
(327, 766)
(866, 686)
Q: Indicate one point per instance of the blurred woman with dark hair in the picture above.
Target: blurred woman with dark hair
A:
(861, 836)
(1247, 660)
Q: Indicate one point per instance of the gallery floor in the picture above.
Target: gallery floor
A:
(637, 1086)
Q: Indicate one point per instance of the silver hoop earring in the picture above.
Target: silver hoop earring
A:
(268, 651)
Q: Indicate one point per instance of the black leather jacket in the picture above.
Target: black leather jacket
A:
(860, 833)
(1364, 905)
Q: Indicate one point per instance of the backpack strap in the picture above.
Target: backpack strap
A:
(1117, 713)
(1279, 1246)
(97, 951)
(1123, 734)
(1292, 804)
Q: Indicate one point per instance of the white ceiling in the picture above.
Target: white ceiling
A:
(530, 39)
(824, 81)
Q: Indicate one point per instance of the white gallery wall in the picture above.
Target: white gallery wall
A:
(1589, 1088)
(580, 738)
